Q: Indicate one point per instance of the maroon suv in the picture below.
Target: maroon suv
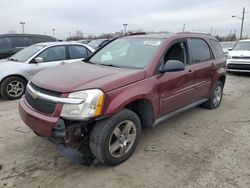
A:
(100, 105)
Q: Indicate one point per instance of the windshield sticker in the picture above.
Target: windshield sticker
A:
(39, 47)
(152, 42)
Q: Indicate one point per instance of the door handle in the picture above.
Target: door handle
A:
(190, 71)
(212, 65)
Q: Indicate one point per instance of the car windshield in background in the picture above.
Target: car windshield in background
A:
(96, 43)
(127, 53)
(26, 53)
(243, 45)
(227, 45)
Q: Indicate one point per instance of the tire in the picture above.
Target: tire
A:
(17, 84)
(217, 91)
(103, 140)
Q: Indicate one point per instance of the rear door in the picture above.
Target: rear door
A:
(202, 59)
(176, 88)
(52, 56)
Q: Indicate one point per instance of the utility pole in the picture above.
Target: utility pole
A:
(184, 26)
(22, 23)
(211, 31)
(53, 31)
(125, 27)
(242, 21)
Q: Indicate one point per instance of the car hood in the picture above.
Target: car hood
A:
(6, 64)
(239, 53)
(81, 76)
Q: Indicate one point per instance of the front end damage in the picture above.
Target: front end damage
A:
(70, 137)
(72, 141)
(65, 119)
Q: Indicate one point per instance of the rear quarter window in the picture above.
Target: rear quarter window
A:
(217, 49)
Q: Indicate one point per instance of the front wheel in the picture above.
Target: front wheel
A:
(112, 141)
(215, 97)
(13, 87)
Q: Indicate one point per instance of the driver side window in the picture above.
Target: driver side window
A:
(56, 53)
(178, 51)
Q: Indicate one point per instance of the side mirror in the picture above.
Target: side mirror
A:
(38, 59)
(229, 49)
(172, 66)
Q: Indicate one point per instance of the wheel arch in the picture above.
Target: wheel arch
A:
(222, 78)
(142, 105)
(13, 75)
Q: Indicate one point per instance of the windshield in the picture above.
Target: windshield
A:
(26, 53)
(227, 44)
(96, 43)
(242, 45)
(127, 53)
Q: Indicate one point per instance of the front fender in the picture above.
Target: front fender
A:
(119, 98)
(22, 73)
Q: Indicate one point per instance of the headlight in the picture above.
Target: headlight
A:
(229, 56)
(91, 107)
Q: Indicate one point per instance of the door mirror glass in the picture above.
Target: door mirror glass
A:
(38, 59)
(172, 66)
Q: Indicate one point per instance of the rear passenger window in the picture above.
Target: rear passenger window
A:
(28, 41)
(19, 42)
(200, 50)
(216, 48)
(77, 52)
(5, 45)
(42, 39)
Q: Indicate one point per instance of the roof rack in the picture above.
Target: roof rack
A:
(138, 33)
(188, 32)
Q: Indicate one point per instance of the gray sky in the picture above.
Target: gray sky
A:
(103, 16)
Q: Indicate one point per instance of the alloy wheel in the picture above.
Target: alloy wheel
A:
(217, 96)
(15, 88)
(122, 139)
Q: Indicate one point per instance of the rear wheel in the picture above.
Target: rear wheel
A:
(13, 87)
(215, 97)
(112, 141)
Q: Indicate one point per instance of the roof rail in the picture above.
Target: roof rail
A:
(138, 33)
(188, 32)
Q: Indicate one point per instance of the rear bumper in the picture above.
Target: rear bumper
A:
(40, 123)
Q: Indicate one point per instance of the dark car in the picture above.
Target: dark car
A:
(98, 43)
(12, 43)
(133, 82)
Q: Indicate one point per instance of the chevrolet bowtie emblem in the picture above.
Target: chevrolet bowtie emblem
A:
(34, 95)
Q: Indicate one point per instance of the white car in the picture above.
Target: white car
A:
(18, 69)
(238, 58)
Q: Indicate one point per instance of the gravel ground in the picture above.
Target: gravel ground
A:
(199, 148)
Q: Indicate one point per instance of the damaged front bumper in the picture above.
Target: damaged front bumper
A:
(71, 138)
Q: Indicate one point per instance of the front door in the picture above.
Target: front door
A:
(52, 56)
(177, 88)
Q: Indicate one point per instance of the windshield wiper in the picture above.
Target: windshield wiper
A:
(90, 62)
(109, 65)
(11, 59)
